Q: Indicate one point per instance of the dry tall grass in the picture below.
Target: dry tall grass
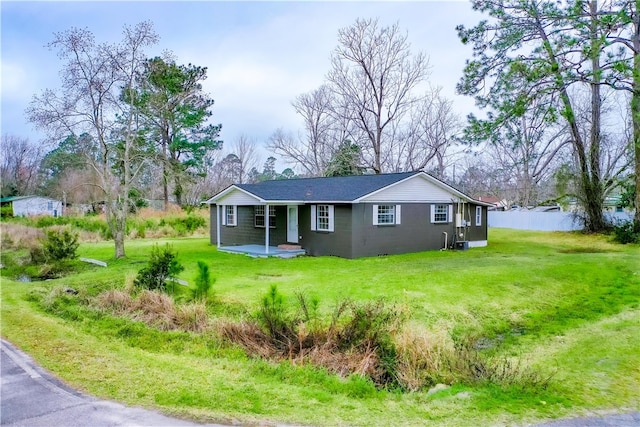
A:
(155, 309)
(18, 236)
(423, 357)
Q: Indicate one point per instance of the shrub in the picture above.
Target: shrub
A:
(627, 232)
(60, 245)
(274, 317)
(162, 266)
(357, 339)
(6, 211)
(203, 282)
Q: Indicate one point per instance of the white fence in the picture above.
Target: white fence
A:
(544, 221)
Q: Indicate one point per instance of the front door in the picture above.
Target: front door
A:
(292, 224)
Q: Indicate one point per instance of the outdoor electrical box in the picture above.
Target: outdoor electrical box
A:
(459, 220)
(462, 245)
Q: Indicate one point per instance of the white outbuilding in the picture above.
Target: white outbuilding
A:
(33, 205)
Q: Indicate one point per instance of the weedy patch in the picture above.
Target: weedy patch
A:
(156, 309)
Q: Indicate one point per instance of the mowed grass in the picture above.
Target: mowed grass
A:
(565, 304)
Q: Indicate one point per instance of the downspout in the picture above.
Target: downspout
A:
(266, 229)
(218, 225)
(446, 241)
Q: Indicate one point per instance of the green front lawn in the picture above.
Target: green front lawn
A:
(566, 305)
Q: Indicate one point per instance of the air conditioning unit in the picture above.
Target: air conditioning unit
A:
(462, 245)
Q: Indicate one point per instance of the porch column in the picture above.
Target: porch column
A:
(218, 225)
(266, 229)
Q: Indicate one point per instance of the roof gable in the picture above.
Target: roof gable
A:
(417, 188)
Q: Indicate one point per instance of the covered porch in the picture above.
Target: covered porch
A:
(245, 229)
(261, 251)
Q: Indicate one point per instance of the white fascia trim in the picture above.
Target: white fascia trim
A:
(281, 202)
(229, 190)
(478, 243)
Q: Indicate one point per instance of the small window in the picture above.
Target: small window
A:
(441, 213)
(478, 215)
(49, 206)
(230, 215)
(259, 216)
(322, 217)
(386, 214)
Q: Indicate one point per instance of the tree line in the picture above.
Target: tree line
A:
(558, 85)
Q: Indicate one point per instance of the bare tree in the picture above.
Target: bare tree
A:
(19, 164)
(244, 148)
(373, 77)
(97, 98)
(323, 132)
(430, 134)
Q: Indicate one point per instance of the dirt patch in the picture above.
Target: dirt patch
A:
(584, 251)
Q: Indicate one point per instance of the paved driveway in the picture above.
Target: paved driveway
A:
(32, 397)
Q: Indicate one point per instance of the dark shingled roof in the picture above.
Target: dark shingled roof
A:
(340, 188)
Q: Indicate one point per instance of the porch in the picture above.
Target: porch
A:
(261, 251)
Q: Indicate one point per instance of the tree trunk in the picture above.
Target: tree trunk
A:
(594, 190)
(165, 173)
(177, 191)
(635, 106)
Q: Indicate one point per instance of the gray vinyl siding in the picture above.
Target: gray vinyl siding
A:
(213, 225)
(321, 243)
(245, 232)
(475, 232)
(354, 234)
(415, 233)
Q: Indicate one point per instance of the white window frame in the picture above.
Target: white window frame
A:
(448, 212)
(394, 213)
(315, 218)
(230, 215)
(256, 215)
(478, 216)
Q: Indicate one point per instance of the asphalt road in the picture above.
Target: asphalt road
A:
(32, 397)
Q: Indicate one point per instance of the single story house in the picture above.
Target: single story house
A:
(33, 205)
(349, 217)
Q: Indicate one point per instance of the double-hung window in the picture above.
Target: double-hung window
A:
(259, 219)
(229, 215)
(322, 217)
(478, 215)
(441, 213)
(386, 214)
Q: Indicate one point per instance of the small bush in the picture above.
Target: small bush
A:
(60, 245)
(203, 282)
(162, 266)
(274, 318)
(627, 232)
(6, 211)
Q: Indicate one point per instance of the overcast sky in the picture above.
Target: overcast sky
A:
(260, 55)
